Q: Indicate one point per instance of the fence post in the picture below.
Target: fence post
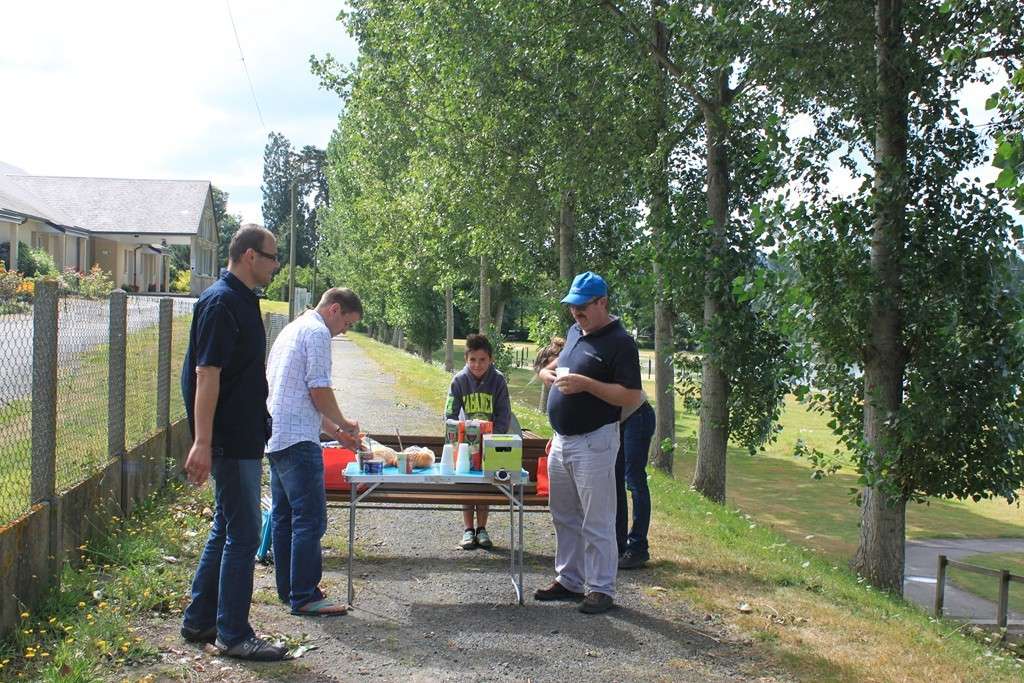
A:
(940, 585)
(44, 391)
(118, 337)
(1004, 598)
(163, 386)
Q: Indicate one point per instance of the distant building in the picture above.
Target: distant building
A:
(125, 225)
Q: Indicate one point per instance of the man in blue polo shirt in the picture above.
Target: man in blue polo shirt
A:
(595, 375)
(224, 384)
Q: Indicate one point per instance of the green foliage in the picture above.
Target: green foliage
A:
(283, 167)
(35, 262)
(182, 281)
(227, 225)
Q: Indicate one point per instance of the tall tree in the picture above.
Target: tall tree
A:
(724, 79)
(901, 290)
(227, 224)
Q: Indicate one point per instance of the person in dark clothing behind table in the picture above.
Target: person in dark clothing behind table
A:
(479, 392)
(635, 432)
(596, 374)
(224, 384)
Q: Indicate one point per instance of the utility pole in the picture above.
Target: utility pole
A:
(291, 257)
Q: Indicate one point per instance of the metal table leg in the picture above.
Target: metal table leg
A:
(520, 545)
(351, 537)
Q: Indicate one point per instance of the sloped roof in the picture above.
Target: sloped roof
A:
(111, 205)
(16, 197)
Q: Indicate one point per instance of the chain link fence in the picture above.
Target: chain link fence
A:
(83, 363)
(74, 343)
(181, 324)
(275, 322)
(141, 368)
(15, 413)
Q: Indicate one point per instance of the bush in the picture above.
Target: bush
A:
(35, 262)
(70, 281)
(10, 281)
(182, 281)
(96, 284)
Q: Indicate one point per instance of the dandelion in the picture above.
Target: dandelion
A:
(81, 605)
(52, 619)
(24, 615)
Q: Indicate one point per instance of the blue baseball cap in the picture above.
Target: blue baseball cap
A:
(585, 287)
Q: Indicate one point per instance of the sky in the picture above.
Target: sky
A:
(143, 89)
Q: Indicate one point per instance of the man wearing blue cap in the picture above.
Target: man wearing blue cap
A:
(596, 374)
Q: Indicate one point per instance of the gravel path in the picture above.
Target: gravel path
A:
(426, 610)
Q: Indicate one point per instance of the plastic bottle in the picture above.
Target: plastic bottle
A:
(463, 465)
(447, 466)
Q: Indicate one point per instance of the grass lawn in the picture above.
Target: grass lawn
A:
(773, 487)
(268, 306)
(988, 586)
(806, 610)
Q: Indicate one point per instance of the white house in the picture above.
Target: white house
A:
(124, 225)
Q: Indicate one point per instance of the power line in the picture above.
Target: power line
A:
(245, 66)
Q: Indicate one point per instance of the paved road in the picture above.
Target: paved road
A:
(921, 565)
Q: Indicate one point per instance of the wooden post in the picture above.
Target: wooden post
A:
(1004, 598)
(940, 585)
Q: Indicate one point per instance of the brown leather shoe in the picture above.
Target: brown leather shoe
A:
(596, 603)
(556, 591)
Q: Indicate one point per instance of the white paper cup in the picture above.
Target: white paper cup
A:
(561, 371)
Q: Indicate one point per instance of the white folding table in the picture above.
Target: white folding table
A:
(512, 487)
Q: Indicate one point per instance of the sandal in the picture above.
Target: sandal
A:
(321, 608)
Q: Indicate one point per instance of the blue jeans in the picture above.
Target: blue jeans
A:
(299, 518)
(631, 473)
(222, 587)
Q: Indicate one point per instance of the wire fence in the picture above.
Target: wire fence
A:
(141, 368)
(275, 322)
(73, 346)
(15, 412)
(181, 323)
(83, 362)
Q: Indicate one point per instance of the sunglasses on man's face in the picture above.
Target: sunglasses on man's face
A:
(272, 257)
(583, 307)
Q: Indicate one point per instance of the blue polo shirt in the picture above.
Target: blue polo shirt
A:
(227, 333)
(608, 355)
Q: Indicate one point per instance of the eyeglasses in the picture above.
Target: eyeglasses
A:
(272, 257)
(583, 307)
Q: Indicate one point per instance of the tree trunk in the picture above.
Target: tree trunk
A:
(566, 236)
(485, 297)
(880, 553)
(713, 430)
(449, 329)
(660, 217)
(499, 315)
(542, 404)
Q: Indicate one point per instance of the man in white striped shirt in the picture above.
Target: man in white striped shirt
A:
(303, 405)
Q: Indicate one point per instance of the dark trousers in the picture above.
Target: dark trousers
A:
(631, 473)
(222, 587)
